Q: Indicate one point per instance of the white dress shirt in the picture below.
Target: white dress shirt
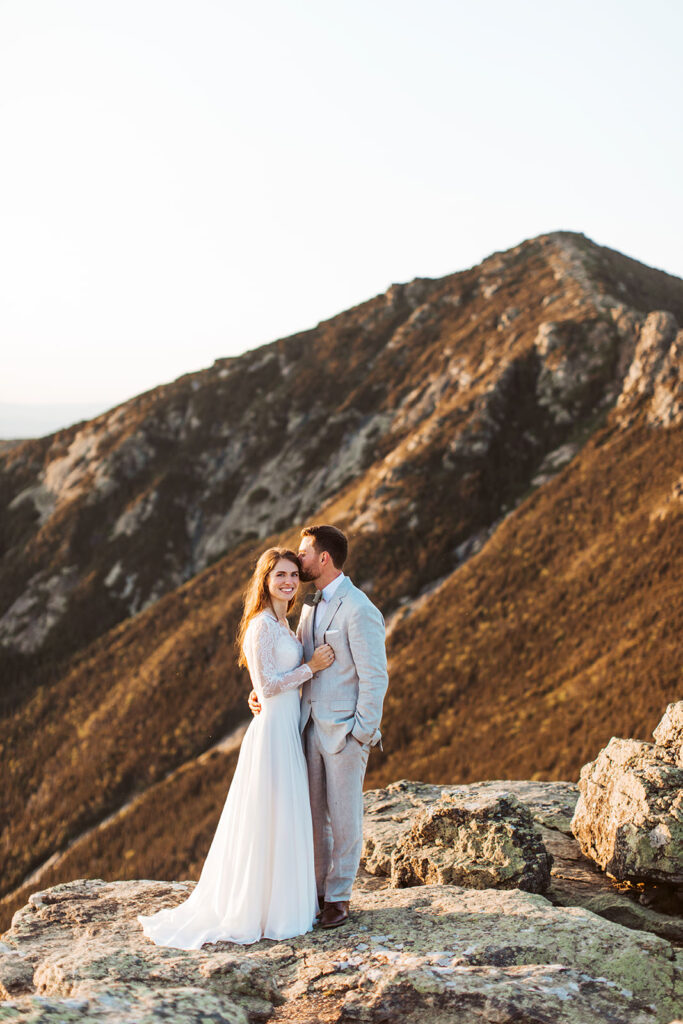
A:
(328, 591)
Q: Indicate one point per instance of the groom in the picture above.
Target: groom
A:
(341, 708)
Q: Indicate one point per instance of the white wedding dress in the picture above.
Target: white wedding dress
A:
(258, 879)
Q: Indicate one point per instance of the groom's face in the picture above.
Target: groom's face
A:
(310, 559)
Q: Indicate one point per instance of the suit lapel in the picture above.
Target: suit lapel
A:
(307, 637)
(332, 607)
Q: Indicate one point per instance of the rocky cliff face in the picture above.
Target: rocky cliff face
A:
(441, 398)
(503, 446)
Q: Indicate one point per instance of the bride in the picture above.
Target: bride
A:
(258, 879)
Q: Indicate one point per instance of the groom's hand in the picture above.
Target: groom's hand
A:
(254, 703)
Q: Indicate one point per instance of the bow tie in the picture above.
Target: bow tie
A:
(313, 599)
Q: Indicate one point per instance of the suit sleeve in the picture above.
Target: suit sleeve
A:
(367, 642)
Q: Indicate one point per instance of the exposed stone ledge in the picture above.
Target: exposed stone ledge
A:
(575, 879)
(443, 953)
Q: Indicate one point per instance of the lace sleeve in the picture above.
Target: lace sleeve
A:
(260, 642)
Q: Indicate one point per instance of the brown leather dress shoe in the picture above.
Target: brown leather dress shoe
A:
(334, 914)
(321, 904)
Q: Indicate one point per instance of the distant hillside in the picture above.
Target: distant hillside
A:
(504, 447)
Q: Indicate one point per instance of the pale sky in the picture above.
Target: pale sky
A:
(182, 180)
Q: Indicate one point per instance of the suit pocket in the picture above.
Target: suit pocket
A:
(342, 705)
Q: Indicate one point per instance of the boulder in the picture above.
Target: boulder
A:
(669, 733)
(629, 815)
(488, 841)
(391, 812)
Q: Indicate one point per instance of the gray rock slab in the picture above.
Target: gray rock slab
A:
(442, 953)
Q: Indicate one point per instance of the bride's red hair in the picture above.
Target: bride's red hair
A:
(256, 596)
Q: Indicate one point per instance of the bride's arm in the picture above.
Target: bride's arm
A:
(260, 643)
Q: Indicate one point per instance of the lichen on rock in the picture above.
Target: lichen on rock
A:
(484, 842)
(629, 816)
(438, 953)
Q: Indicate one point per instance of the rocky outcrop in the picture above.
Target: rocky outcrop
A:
(391, 812)
(442, 953)
(485, 842)
(575, 879)
(629, 816)
(448, 953)
(574, 367)
(656, 373)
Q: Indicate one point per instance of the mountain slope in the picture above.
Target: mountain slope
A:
(504, 448)
(563, 630)
(102, 519)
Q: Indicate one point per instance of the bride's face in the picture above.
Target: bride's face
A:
(283, 580)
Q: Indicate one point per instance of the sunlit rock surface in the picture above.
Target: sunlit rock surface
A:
(486, 841)
(629, 816)
(584, 952)
(438, 953)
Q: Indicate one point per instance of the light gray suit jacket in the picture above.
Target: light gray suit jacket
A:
(347, 697)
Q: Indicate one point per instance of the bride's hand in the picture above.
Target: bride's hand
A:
(254, 703)
(323, 657)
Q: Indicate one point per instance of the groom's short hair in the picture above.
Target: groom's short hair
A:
(330, 539)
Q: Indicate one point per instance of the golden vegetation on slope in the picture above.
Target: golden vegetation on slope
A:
(563, 631)
(155, 692)
(163, 833)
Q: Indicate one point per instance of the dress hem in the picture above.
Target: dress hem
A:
(214, 940)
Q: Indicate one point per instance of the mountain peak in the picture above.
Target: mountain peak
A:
(502, 446)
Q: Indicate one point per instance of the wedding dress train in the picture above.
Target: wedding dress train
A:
(258, 879)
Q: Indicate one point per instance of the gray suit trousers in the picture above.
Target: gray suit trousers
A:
(336, 789)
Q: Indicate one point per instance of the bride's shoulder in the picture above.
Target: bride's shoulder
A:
(261, 621)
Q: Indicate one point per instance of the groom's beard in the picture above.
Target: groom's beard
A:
(306, 577)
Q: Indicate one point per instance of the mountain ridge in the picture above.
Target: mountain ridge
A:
(531, 404)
